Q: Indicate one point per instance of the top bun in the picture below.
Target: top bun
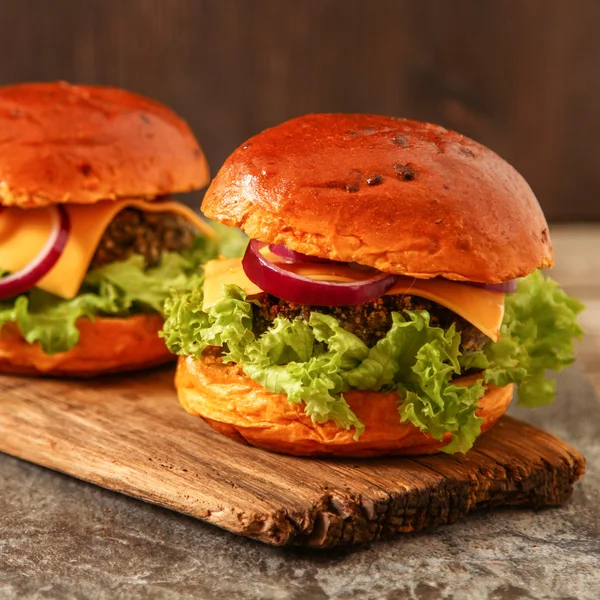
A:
(83, 144)
(402, 196)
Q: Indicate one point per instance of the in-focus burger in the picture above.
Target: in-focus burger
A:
(90, 243)
(389, 299)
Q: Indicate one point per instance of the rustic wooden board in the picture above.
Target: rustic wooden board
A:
(131, 436)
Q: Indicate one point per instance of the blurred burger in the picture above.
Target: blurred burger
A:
(90, 242)
(389, 299)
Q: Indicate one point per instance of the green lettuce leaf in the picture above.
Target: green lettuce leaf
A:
(419, 360)
(436, 405)
(50, 320)
(316, 362)
(232, 241)
(539, 326)
(184, 307)
(116, 289)
(289, 359)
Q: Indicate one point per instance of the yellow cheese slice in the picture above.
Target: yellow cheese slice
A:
(483, 308)
(23, 234)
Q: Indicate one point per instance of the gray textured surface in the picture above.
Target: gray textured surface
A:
(61, 538)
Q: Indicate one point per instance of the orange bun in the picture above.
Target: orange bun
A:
(402, 196)
(242, 409)
(85, 143)
(106, 345)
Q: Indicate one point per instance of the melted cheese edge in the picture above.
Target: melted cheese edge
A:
(482, 308)
(23, 234)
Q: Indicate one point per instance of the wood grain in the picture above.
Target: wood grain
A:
(520, 77)
(131, 436)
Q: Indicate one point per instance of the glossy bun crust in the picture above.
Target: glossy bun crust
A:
(240, 408)
(106, 345)
(82, 144)
(402, 196)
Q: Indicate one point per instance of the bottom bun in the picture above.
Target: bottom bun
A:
(243, 410)
(106, 345)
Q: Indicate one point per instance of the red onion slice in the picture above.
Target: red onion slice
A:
(302, 290)
(285, 252)
(23, 280)
(506, 287)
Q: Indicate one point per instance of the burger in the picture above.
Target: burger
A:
(389, 300)
(90, 242)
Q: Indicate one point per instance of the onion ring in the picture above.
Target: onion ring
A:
(291, 287)
(23, 280)
(506, 287)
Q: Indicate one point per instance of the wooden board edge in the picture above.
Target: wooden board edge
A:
(343, 518)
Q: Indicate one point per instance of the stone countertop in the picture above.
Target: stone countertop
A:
(64, 539)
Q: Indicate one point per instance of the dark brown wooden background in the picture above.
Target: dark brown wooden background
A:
(522, 76)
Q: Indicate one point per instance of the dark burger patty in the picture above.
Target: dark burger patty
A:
(370, 321)
(136, 232)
